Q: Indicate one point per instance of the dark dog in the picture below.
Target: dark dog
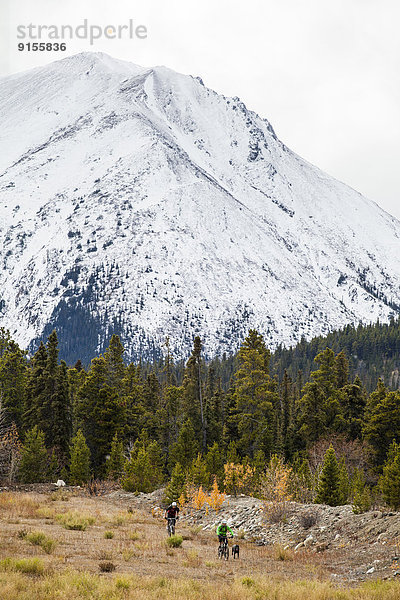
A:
(235, 551)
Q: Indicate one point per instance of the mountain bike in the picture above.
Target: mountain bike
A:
(223, 549)
(171, 526)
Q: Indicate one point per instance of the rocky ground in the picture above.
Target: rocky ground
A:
(357, 547)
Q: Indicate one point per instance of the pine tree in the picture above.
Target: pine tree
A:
(383, 424)
(232, 455)
(353, 401)
(286, 417)
(186, 447)
(143, 470)
(342, 370)
(320, 409)
(326, 374)
(360, 492)
(115, 367)
(80, 460)
(214, 464)
(48, 402)
(35, 388)
(169, 418)
(194, 403)
(34, 460)
(100, 413)
(389, 482)
(197, 474)
(170, 379)
(61, 413)
(254, 396)
(176, 485)
(215, 413)
(328, 490)
(311, 418)
(344, 481)
(115, 464)
(13, 376)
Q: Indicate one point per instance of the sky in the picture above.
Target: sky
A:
(325, 73)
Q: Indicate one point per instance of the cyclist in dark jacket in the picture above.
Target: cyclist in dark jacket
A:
(172, 512)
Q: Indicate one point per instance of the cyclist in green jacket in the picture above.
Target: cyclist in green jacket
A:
(222, 531)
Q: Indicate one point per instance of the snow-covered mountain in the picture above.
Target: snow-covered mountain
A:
(140, 201)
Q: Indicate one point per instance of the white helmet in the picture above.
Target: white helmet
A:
(174, 504)
(224, 522)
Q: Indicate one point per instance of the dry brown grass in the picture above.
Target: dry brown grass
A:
(15, 505)
(73, 585)
(146, 568)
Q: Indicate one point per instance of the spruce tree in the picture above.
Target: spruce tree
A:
(80, 460)
(36, 388)
(143, 470)
(169, 417)
(170, 379)
(176, 485)
(115, 464)
(194, 401)
(360, 492)
(344, 481)
(13, 376)
(353, 400)
(61, 413)
(389, 482)
(286, 417)
(383, 425)
(214, 464)
(197, 474)
(33, 467)
(255, 397)
(113, 357)
(328, 490)
(232, 455)
(100, 413)
(342, 370)
(185, 448)
(215, 416)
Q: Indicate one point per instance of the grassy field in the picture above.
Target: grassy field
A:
(59, 546)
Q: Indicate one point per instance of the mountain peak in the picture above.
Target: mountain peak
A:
(140, 202)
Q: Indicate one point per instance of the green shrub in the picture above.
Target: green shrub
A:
(38, 538)
(108, 535)
(48, 545)
(175, 541)
(75, 521)
(30, 566)
(248, 582)
(123, 583)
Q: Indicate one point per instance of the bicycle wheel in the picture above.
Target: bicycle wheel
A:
(220, 552)
(226, 552)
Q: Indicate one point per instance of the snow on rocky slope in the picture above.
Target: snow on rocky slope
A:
(140, 201)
